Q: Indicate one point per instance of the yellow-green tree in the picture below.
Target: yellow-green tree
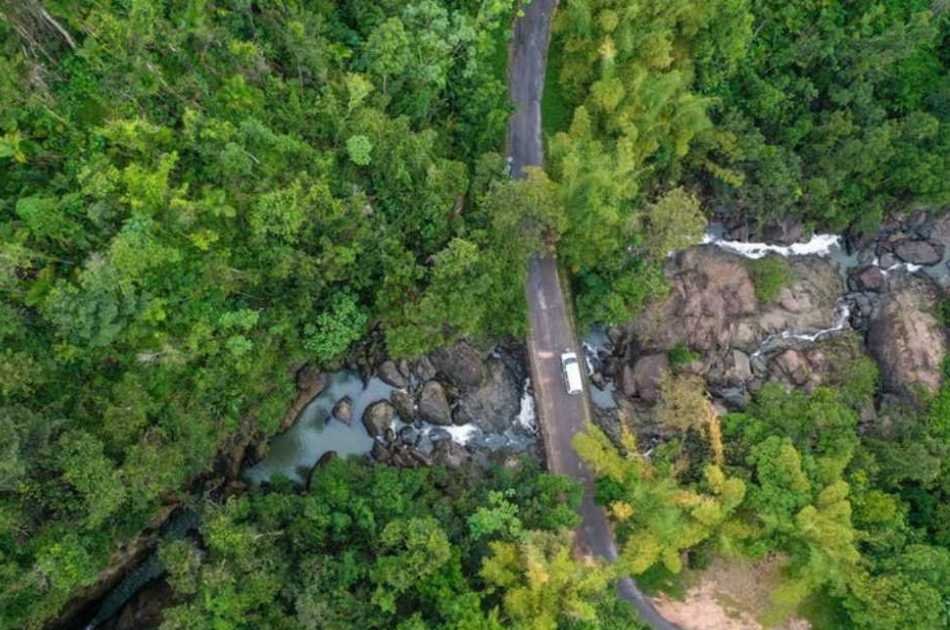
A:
(656, 517)
(544, 585)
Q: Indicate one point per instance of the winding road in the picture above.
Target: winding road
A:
(551, 329)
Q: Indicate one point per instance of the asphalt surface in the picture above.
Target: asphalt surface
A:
(560, 416)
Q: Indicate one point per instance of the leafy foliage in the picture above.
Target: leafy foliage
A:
(769, 275)
(376, 547)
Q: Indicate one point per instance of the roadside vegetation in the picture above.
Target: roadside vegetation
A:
(860, 518)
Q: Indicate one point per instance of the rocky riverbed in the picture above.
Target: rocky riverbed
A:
(846, 299)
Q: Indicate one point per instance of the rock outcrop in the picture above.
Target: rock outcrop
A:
(906, 337)
(712, 304)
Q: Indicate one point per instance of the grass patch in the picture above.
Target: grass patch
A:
(769, 275)
(679, 355)
(556, 111)
(945, 311)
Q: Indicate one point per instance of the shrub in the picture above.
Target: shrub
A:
(769, 275)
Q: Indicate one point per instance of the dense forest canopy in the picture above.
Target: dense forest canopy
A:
(198, 197)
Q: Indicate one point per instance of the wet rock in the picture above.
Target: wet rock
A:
(449, 454)
(648, 371)
(783, 232)
(144, 610)
(887, 260)
(389, 373)
(867, 278)
(423, 369)
(409, 436)
(380, 453)
(403, 403)
(460, 364)
(494, 405)
(343, 410)
(439, 435)
(906, 337)
(434, 405)
(918, 252)
(378, 418)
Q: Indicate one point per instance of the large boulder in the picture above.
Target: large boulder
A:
(343, 410)
(433, 404)
(402, 401)
(711, 291)
(644, 379)
(460, 364)
(918, 252)
(390, 374)
(378, 418)
(449, 454)
(493, 405)
(906, 338)
(867, 278)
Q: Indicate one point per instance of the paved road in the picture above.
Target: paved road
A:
(551, 331)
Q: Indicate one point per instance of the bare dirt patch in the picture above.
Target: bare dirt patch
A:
(729, 595)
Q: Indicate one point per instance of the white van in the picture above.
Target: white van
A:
(571, 372)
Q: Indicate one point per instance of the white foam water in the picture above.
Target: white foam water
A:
(840, 322)
(526, 415)
(817, 245)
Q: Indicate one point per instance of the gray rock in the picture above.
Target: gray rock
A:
(783, 232)
(408, 436)
(919, 252)
(733, 398)
(423, 369)
(867, 278)
(495, 403)
(380, 452)
(449, 454)
(343, 410)
(907, 339)
(887, 260)
(389, 373)
(648, 371)
(439, 435)
(730, 369)
(378, 418)
(460, 364)
(434, 405)
(402, 401)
